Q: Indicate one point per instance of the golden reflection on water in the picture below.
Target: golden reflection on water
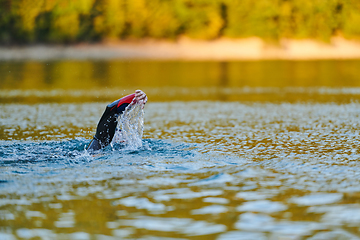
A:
(79, 81)
(278, 160)
(124, 74)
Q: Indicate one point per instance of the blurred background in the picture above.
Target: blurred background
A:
(47, 49)
(66, 21)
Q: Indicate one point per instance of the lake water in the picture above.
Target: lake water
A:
(231, 150)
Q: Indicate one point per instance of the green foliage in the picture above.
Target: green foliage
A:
(63, 21)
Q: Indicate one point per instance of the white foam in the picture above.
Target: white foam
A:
(130, 127)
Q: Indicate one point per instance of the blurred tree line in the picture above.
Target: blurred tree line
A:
(65, 21)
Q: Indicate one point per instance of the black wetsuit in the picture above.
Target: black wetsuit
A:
(107, 125)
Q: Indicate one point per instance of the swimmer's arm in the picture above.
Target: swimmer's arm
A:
(140, 97)
(107, 125)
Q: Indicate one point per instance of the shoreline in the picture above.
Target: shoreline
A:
(187, 49)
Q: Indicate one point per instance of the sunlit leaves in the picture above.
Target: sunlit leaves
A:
(90, 20)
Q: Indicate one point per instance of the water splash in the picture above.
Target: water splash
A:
(129, 130)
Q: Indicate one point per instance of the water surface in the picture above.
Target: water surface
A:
(265, 167)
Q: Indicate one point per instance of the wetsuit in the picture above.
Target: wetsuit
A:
(107, 125)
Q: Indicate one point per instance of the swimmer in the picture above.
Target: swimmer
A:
(107, 125)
